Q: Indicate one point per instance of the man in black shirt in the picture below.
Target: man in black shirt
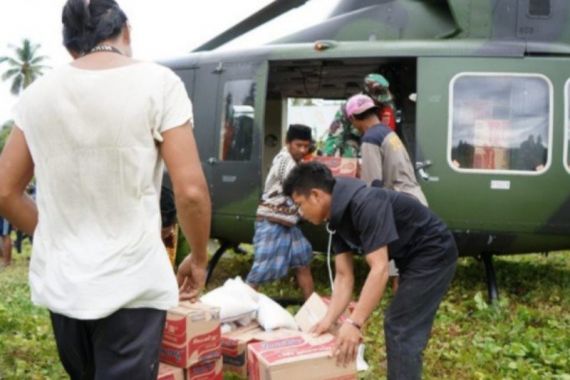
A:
(381, 224)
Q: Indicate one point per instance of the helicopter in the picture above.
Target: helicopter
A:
(481, 87)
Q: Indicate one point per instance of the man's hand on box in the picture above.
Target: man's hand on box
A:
(346, 346)
(321, 327)
(191, 278)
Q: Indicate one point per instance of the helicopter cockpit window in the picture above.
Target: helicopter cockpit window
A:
(238, 114)
(500, 123)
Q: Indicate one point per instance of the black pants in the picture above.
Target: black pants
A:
(124, 345)
(409, 318)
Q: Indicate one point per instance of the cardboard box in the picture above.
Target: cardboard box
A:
(340, 166)
(349, 309)
(234, 345)
(491, 133)
(234, 348)
(502, 159)
(168, 372)
(266, 336)
(299, 357)
(314, 309)
(191, 335)
(209, 370)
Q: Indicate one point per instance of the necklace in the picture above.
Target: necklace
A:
(107, 48)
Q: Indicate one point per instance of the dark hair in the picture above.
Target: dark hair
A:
(307, 176)
(298, 132)
(86, 24)
(366, 114)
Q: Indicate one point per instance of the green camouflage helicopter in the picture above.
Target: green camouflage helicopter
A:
(482, 92)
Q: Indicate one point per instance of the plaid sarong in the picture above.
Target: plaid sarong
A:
(277, 249)
(5, 227)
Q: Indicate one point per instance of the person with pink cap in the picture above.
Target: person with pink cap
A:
(342, 139)
(384, 157)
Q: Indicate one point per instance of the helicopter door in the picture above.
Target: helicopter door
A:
(485, 141)
(206, 85)
(235, 158)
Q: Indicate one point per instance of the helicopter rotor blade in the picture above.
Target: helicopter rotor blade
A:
(268, 13)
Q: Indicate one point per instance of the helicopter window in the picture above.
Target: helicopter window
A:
(500, 122)
(236, 137)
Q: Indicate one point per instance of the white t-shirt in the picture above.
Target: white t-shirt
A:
(93, 138)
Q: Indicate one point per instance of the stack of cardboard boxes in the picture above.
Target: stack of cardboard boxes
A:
(194, 349)
(191, 344)
(490, 138)
(285, 354)
(234, 347)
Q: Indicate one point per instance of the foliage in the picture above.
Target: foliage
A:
(524, 336)
(24, 66)
(5, 130)
(27, 347)
(298, 102)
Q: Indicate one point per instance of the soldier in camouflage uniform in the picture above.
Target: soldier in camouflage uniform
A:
(342, 139)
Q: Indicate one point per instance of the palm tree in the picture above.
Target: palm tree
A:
(24, 67)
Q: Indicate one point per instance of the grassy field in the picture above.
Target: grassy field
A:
(525, 336)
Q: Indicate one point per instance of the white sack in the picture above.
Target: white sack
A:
(235, 300)
(271, 315)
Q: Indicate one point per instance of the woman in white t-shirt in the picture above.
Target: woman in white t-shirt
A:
(94, 133)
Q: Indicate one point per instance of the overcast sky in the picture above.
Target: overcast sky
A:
(161, 29)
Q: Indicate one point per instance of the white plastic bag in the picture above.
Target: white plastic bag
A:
(240, 289)
(235, 300)
(361, 364)
(271, 315)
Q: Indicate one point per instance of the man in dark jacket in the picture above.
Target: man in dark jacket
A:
(380, 224)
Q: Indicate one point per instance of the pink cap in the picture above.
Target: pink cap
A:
(358, 104)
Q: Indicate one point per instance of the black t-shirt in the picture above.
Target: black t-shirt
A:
(368, 218)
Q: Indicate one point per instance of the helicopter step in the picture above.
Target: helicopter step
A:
(224, 246)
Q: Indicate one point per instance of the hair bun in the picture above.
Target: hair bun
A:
(86, 23)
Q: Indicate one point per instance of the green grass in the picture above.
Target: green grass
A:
(525, 336)
(27, 347)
